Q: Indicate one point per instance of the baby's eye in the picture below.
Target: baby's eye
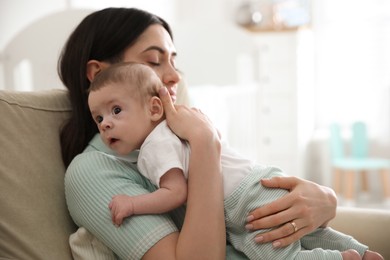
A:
(99, 119)
(116, 110)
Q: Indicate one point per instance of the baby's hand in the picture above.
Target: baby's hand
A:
(121, 206)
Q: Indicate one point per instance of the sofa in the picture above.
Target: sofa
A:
(34, 220)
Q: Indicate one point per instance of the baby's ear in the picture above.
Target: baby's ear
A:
(156, 108)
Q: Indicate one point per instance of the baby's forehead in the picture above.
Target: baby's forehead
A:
(106, 95)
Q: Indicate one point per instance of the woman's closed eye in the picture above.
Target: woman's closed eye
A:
(157, 64)
(154, 63)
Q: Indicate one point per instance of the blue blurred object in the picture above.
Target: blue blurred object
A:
(358, 162)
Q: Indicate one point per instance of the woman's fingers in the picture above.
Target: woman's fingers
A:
(272, 214)
(169, 107)
(288, 231)
(286, 240)
(287, 183)
(187, 123)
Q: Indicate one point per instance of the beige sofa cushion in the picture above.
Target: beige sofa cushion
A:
(34, 220)
(368, 226)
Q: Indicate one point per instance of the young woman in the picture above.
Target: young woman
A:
(94, 174)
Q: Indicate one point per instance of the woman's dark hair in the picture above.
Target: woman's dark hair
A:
(104, 36)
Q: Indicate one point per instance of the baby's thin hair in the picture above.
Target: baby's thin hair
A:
(140, 77)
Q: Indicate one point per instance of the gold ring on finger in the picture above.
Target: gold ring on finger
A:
(294, 226)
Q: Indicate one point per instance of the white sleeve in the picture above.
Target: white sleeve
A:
(162, 151)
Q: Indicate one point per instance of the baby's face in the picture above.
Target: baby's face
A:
(122, 120)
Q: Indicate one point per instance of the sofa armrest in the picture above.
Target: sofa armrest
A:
(368, 226)
(34, 219)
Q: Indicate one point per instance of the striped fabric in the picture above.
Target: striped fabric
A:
(90, 182)
(321, 244)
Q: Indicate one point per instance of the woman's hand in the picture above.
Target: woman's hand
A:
(307, 207)
(187, 123)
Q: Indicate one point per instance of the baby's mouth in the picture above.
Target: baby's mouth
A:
(113, 140)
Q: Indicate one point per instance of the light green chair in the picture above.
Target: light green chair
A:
(345, 168)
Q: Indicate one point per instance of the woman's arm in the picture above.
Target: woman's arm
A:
(203, 232)
(308, 204)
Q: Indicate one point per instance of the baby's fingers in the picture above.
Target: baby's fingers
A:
(114, 214)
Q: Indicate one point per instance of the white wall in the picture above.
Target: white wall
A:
(36, 30)
(30, 58)
(15, 15)
(208, 41)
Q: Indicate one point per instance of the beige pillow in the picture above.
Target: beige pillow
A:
(34, 220)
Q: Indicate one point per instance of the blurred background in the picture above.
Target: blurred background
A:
(286, 82)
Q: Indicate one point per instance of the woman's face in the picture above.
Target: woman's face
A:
(155, 48)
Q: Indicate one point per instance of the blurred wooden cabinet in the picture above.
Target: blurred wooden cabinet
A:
(285, 109)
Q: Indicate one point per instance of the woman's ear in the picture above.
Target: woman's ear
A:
(94, 67)
(156, 108)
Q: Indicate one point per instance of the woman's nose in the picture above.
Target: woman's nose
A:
(171, 76)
